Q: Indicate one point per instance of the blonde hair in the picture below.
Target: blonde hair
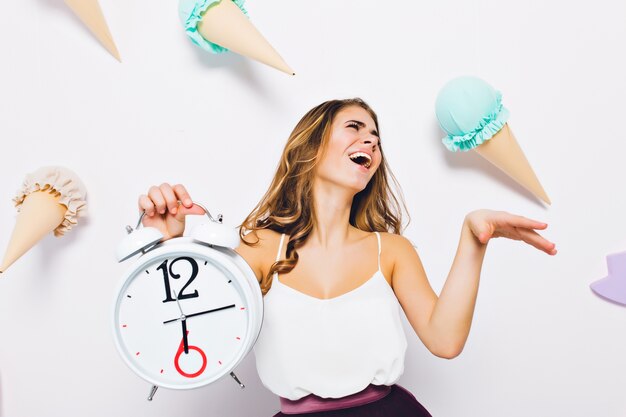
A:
(287, 205)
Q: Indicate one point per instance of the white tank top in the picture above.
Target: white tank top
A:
(330, 347)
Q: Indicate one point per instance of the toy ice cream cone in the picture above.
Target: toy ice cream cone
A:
(470, 111)
(40, 214)
(503, 151)
(220, 25)
(49, 201)
(90, 13)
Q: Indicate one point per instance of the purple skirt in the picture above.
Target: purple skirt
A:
(393, 402)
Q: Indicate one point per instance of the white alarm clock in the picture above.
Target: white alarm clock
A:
(188, 310)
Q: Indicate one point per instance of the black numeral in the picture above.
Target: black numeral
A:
(166, 278)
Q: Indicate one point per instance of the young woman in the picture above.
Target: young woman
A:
(325, 245)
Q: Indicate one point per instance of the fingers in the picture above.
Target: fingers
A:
(145, 204)
(171, 201)
(488, 224)
(183, 195)
(525, 230)
(521, 221)
(155, 194)
(166, 198)
(535, 239)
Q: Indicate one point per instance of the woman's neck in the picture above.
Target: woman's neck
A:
(332, 206)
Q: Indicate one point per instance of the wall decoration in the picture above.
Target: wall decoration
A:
(50, 200)
(613, 286)
(90, 13)
(221, 25)
(470, 111)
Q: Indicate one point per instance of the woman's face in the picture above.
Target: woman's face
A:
(352, 154)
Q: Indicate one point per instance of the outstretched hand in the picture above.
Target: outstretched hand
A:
(489, 224)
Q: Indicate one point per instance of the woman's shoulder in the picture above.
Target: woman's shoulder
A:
(394, 241)
(259, 249)
(262, 236)
(395, 246)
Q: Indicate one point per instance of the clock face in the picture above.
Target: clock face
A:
(181, 320)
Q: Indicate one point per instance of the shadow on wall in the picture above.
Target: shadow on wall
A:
(239, 65)
(51, 245)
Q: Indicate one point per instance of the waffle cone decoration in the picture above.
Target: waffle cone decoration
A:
(49, 201)
(221, 25)
(470, 111)
(90, 13)
(503, 151)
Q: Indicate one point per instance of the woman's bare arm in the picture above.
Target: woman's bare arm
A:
(443, 323)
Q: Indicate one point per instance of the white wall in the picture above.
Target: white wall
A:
(541, 343)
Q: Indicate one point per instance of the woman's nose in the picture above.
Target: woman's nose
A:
(369, 141)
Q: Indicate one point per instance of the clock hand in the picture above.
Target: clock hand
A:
(211, 311)
(183, 321)
(185, 342)
(178, 303)
(200, 313)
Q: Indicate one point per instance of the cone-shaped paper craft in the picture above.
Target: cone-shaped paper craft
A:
(470, 111)
(49, 201)
(39, 215)
(90, 13)
(209, 23)
(503, 151)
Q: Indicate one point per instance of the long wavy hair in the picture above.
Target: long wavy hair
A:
(287, 205)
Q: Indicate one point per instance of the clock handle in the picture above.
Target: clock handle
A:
(219, 216)
(153, 391)
(206, 211)
(237, 379)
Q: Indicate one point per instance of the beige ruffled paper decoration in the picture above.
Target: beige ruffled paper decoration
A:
(50, 200)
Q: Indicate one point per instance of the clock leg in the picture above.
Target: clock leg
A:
(237, 379)
(153, 391)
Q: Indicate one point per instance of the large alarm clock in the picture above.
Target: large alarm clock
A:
(188, 310)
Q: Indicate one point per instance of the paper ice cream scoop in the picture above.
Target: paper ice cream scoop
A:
(470, 111)
(50, 200)
(221, 25)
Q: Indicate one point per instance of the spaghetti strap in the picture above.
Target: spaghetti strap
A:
(280, 250)
(379, 248)
(280, 247)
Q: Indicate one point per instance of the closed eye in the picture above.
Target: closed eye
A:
(356, 125)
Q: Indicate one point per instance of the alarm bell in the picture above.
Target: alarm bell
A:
(138, 240)
(214, 232)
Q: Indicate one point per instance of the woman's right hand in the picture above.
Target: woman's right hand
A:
(166, 207)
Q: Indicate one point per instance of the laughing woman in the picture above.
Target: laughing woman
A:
(325, 245)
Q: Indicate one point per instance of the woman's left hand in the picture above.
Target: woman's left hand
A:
(488, 224)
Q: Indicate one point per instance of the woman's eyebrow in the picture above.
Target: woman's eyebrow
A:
(361, 124)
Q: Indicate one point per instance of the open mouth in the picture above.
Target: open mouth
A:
(361, 158)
